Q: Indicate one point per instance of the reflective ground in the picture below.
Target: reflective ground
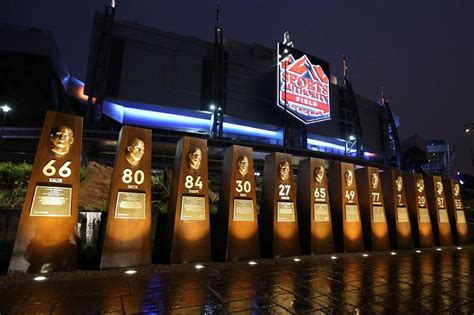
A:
(409, 282)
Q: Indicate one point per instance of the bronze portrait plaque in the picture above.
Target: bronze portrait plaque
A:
(135, 151)
(193, 208)
(243, 210)
(130, 205)
(321, 212)
(285, 211)
(46, 239)
(62, 138)
(352, 213)
(51, 201)
(194, 158)
(402, 215)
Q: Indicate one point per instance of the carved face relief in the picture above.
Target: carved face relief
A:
(399, 183)
(194, 158)
(348, 178)
(62, 138)
(420, 185)
(284, 170)
(439, 188)
(374, 180)
(456, 189)
(319, 174)
(243, 165)
(135, 151)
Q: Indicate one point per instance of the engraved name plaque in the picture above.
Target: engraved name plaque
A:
(51, 201)
(461, 217)
(243, 210)
(352, 213)
(378, 213)
(402, 215)
(193, 208)
(443, 216)
(321, 212)
(424, 215)
(285, 211)
(130, 205)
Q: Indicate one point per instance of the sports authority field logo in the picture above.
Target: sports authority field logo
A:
(305, 87)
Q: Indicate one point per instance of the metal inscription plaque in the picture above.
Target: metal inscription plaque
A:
(285, 211)
(130, 205)
(461, 217)
(193, 208)
(378, 213)
(424, 215)
(51, 201)
(352, 213)
(402, 214)
(443, 216)
(243, 210)
(321, 212)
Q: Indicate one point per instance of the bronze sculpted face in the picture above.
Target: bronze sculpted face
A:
(319, 174)
(420, 185)
(348, 178)
(456, 189)
(374, 180)
(284, 170)
(439, 188)
(243, 165)
(194, 158)
(399, 183)
(135, 151)
(62, 138)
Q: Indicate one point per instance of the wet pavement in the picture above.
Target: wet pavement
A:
(431, 281)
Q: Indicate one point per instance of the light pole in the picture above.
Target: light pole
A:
(5, 109)
(468, 129)
(350, 143)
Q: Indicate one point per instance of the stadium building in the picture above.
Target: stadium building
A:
(228, 91)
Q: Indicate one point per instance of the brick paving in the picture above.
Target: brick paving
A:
(412, 283)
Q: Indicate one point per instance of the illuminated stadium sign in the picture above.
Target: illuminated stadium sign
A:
(303, 85)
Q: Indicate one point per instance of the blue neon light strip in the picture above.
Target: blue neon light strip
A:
(164, 117)
(156, 119)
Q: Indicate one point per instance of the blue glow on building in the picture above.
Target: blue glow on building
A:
(195, 121)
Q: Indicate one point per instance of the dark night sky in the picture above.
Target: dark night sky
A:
(422, 51)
